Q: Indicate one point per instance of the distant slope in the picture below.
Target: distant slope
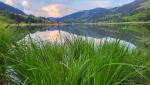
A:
(53, 19)
(10, 9)
(128, 8)
(117, 14)
(11, 18)
(3, 21)
(141, 13)
(141, 16)
(10, 14)
(85, 15)
(139, 10)
(145, 5)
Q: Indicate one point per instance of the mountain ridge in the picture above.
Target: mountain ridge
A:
(113, 14)
(86, 14)
(10, 9)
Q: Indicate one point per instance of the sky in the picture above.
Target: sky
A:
(59, 8)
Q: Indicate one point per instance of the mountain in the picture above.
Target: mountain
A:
(85, 15)
(53, 19)
(13, 15)
(128, 8)
(10, 9)
(111, 15)
(137, 10)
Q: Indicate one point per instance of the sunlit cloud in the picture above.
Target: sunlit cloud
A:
(26, 8)
(104, 4)
(53, 10)
(28, 11)
(25, 3)
(10, 2)
(98, 3)
(59, 8)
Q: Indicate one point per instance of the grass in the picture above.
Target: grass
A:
(2, 34)
(6, 40)
(78, 62)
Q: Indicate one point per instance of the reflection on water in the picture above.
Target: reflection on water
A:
(46, 36)
(129, 35)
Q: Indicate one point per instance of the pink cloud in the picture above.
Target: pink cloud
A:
(104, 4)
(99, 3)
(53, 10)
(26, 7)
(25, 3)
(10, 2)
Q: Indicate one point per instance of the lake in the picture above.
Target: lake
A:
(135, 35)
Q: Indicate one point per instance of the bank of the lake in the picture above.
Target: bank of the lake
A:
(109, 23)
(35, 24)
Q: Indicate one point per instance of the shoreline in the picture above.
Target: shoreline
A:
(34, 24)
(63, 24)
(126, 23)
(107, 23)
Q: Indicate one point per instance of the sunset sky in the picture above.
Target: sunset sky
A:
(59, 8)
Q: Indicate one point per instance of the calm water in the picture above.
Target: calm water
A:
(135, 35)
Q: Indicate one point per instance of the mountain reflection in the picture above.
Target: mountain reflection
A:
(94, 32)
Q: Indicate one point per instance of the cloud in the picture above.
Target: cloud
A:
(56, 8)
(26, 7)
(25, 3)
(10, 2)
(99, 3)
(59, 10)
(53, 10)
(28, 11)
(104, 4)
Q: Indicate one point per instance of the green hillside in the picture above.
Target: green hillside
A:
(17, 18)
(137, 10)
(145, 5)
(3, 21)
(140, 12)
(141, 16)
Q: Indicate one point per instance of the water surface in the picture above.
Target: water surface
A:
(135, 35)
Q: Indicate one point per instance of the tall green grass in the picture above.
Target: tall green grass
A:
(6, 40)
(78, 62)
